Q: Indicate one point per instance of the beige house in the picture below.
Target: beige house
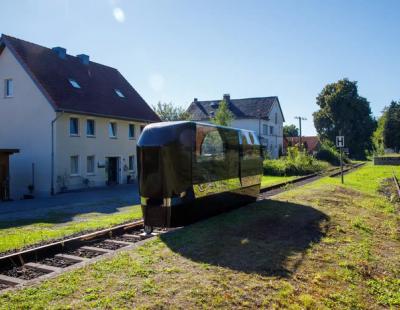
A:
(74, 122)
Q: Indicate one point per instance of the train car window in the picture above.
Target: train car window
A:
(255, 139)
(212, 145)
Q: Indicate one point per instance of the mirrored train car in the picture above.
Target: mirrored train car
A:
(189, 171)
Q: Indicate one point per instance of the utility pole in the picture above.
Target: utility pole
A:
(300, 118)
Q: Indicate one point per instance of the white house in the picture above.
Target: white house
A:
(67, 121)
(263, 115)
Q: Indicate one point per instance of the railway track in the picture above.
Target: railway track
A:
(36, 264)
(396, 183)
(33, 265)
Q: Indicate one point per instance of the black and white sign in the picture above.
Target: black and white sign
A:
(339, 141)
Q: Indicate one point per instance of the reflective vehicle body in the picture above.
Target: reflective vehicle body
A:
(190, 170)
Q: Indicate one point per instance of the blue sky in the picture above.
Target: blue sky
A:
(173, 51)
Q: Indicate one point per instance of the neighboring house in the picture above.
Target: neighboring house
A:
(84, 113)
(262, 115)
(312, 144)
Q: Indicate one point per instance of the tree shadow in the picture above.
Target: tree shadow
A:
(269, 238)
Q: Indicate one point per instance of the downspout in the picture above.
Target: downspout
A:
(52, 151)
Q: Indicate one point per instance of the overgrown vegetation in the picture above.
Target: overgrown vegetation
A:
(322, 246)
(295, 163)
(329, 153)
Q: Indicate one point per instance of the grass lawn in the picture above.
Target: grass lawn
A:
(272, 180)
(319, 246)
(54, 225)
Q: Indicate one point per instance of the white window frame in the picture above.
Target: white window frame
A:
(94, 128)
(265, 132)
(133, 163)
(73, 174)
(134, 131)
(8, 94)
(78, 127)
(94, 165)
(115, 136)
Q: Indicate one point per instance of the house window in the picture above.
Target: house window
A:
(112, 130)
(276, 118)
(131, 130)
(74, 83)
(90, 128)
(271, 130)
(119, 93)
(8, 88)
(75, 165)
(74, 126)
(265, 130)
(131, 162)
(90, 164)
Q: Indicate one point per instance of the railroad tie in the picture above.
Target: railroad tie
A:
(94, 249)
(11, 280)
(43, 267)
(72, 257)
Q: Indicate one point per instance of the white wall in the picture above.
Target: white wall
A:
(25, 122)
(273, 141)
(101, 146)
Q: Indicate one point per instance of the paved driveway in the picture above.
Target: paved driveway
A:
(102, 200)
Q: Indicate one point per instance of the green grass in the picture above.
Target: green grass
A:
(57, 225)
(273, 180)
(321, 246)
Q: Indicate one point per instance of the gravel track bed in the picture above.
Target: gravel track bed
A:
(108, 245)
(57, 262)
(25, 273)
(84, 253)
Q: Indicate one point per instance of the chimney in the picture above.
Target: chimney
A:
(83, 58)
(227, 97)
(195, 100)
(60, 51)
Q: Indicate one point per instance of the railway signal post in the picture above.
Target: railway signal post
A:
(340, 145)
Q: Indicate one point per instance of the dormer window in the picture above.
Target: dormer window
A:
(74, 83)
(119, 93)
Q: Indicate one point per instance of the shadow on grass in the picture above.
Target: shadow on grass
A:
(268, 238)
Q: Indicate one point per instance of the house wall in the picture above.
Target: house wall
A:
(101, 146)
(271, 142)
(25, 122)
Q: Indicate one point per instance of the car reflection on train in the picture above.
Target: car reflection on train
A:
(191, 170)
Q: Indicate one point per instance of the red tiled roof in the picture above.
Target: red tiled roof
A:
(311, 142)
(96, 95)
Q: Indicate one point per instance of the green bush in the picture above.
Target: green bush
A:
(295, 163)
(330, 153)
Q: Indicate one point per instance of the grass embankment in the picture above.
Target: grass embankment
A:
(54, 225)
(320, 246)
(273, 180)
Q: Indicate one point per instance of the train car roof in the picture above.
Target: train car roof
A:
(180, 123)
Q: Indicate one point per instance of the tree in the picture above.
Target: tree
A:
(223, 116)
(168, 112)
(342, 111)
(290, 131)
(377, 137)
(391, 130)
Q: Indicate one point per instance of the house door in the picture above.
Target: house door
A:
(112, 170)
(4, 186)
